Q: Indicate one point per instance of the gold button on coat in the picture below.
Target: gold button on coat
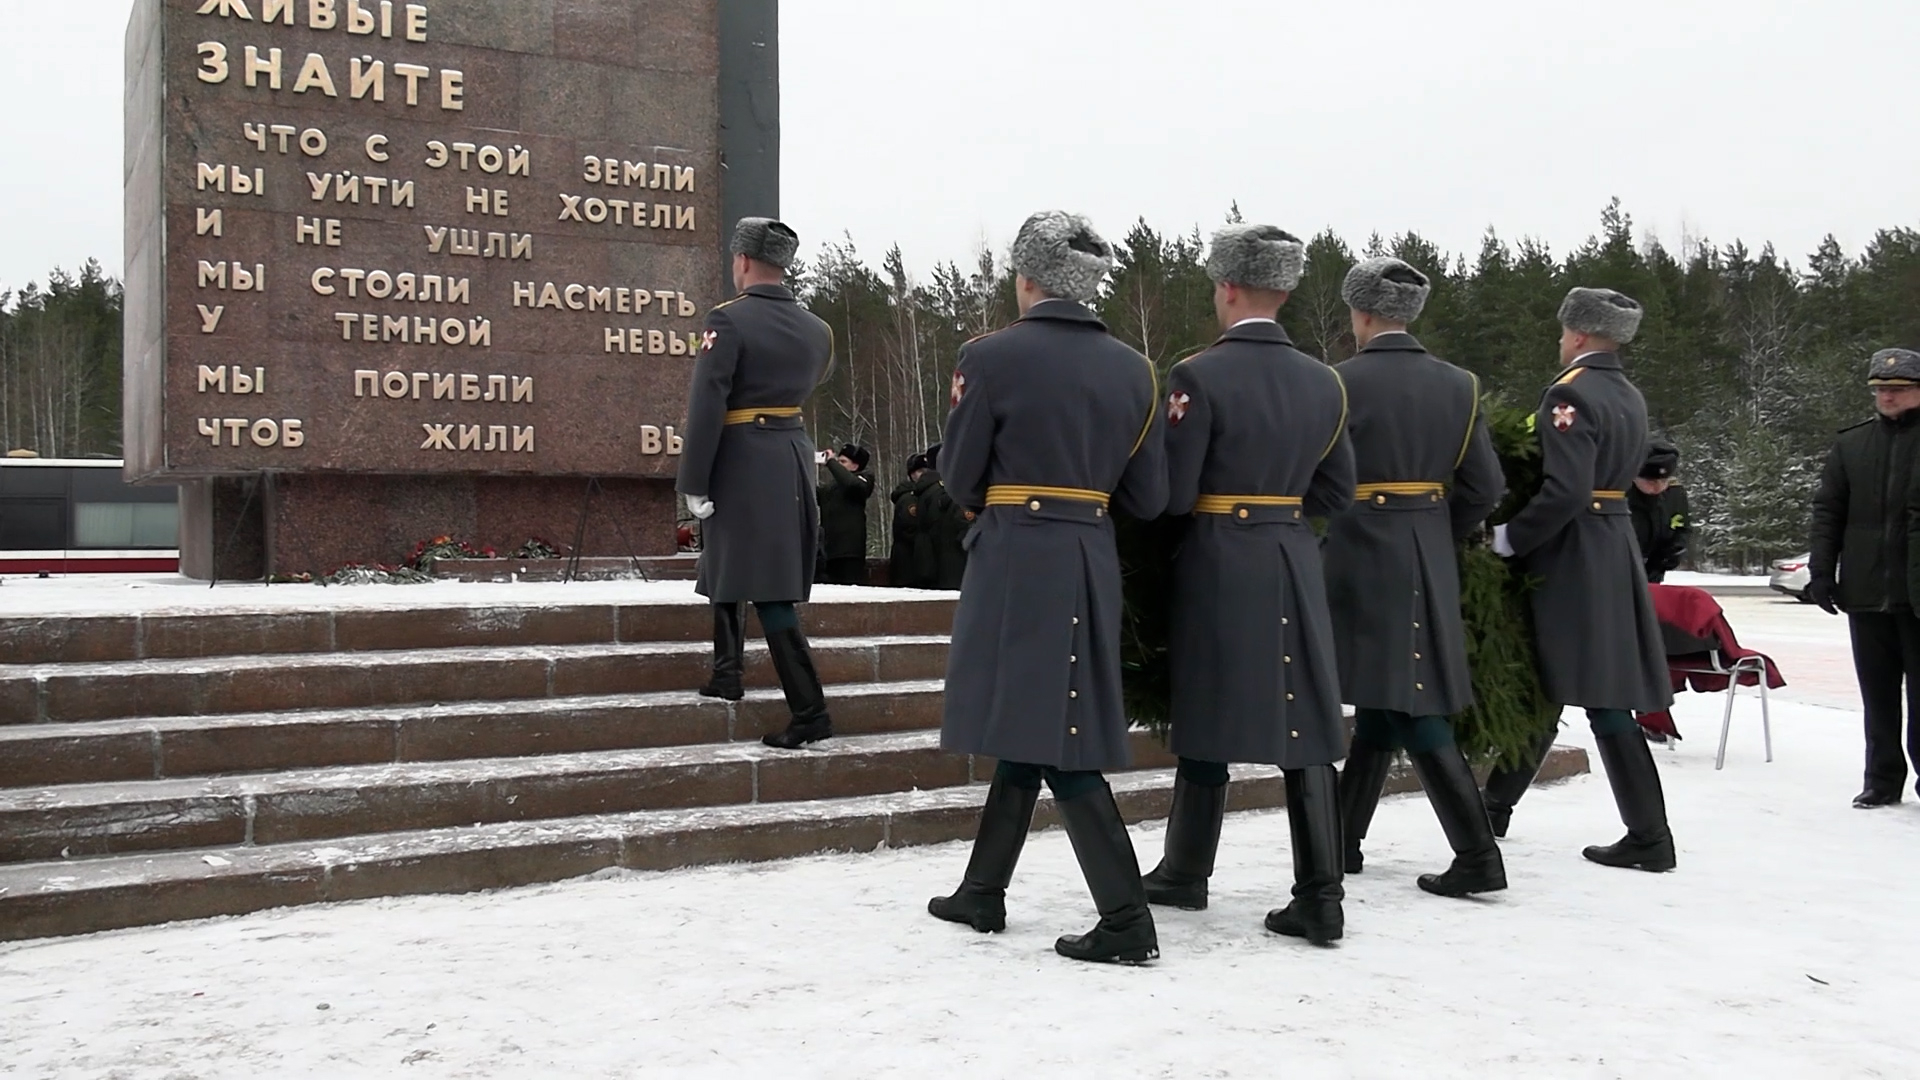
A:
(1243, 514)
(1416, 656)
(1034, 505)
(1073, 731)
(1073, 693)
(1419, 686)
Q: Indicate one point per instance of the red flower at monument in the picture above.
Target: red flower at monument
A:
(1563, 417)
(959, 388)
(1177, 404)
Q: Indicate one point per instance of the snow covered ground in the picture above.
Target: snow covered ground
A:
(1784, 946)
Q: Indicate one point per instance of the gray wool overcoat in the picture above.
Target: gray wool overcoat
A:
(1600, 645)
(761, 349)
(1393, 577)
(1053, 401)
(1252, 646)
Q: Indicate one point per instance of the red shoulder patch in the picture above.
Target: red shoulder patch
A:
(959, 389)
(1563, 417)
(1177, 405)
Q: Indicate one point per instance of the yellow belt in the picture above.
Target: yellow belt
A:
(1018, 495)
(1227, 504)
(1377, 492)
(748, 416)
(1609, 494)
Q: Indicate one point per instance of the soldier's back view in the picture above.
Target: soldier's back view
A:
(1428, 476)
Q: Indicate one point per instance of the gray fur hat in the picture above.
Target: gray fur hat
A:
(766, 240)
(1894, 367)
(1602, 313)
(1258, 257)
(1386, 288)
(1062, 254)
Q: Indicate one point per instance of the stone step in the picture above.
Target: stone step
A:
(159, 748)
(184, 634)
(323, 804)
(87, 820)
(51, 899)
(74, 693)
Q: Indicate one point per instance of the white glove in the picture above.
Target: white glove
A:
(1502, 546)
(700, 506)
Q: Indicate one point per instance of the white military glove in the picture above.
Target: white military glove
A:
(1502, 546)
(700, 506)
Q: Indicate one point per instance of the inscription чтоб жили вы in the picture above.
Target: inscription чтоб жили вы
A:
(336, 148)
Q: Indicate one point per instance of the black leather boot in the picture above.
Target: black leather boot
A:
(1313, 818)
(793, 662)
(1361, 781)
(1648, 844)
(981, 899)
(1193, 836)
(729, 644)
(1477, 866)
(1505, 785)
(1125, 933)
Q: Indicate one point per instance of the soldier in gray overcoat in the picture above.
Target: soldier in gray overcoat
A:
(1054, 425)
(1428, 477)
(1598, 640)
(1256, 445)
(747, 469)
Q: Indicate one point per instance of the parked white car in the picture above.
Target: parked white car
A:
(1792, 576)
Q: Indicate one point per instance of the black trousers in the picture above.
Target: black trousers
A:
(1886, 653)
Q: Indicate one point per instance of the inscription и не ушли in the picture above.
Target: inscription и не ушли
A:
(340, 150)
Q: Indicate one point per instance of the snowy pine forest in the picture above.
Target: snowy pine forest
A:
(1750, 360)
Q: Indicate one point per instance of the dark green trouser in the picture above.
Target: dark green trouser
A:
(1387, 731)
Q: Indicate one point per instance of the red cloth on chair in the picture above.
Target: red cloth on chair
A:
(1696, 613)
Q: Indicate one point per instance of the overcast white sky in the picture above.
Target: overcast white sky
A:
(940, 123)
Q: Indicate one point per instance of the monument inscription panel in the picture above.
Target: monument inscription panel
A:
(439, 237)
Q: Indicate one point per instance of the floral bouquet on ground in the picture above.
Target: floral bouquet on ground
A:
(428, 552)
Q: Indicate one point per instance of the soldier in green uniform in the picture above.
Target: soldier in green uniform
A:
(1256, 445)
(1428, 476)
(1598, 641)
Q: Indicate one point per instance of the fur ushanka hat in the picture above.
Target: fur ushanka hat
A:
(1386, 288)
(766, 240)
(1602, 313)
(1258, 257)
(1062, 254)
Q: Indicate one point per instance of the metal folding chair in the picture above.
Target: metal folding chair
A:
(1712, 662)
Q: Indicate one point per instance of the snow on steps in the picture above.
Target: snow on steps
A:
(61, 898)
(78, 692)
(158, 748)
(98, 624)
